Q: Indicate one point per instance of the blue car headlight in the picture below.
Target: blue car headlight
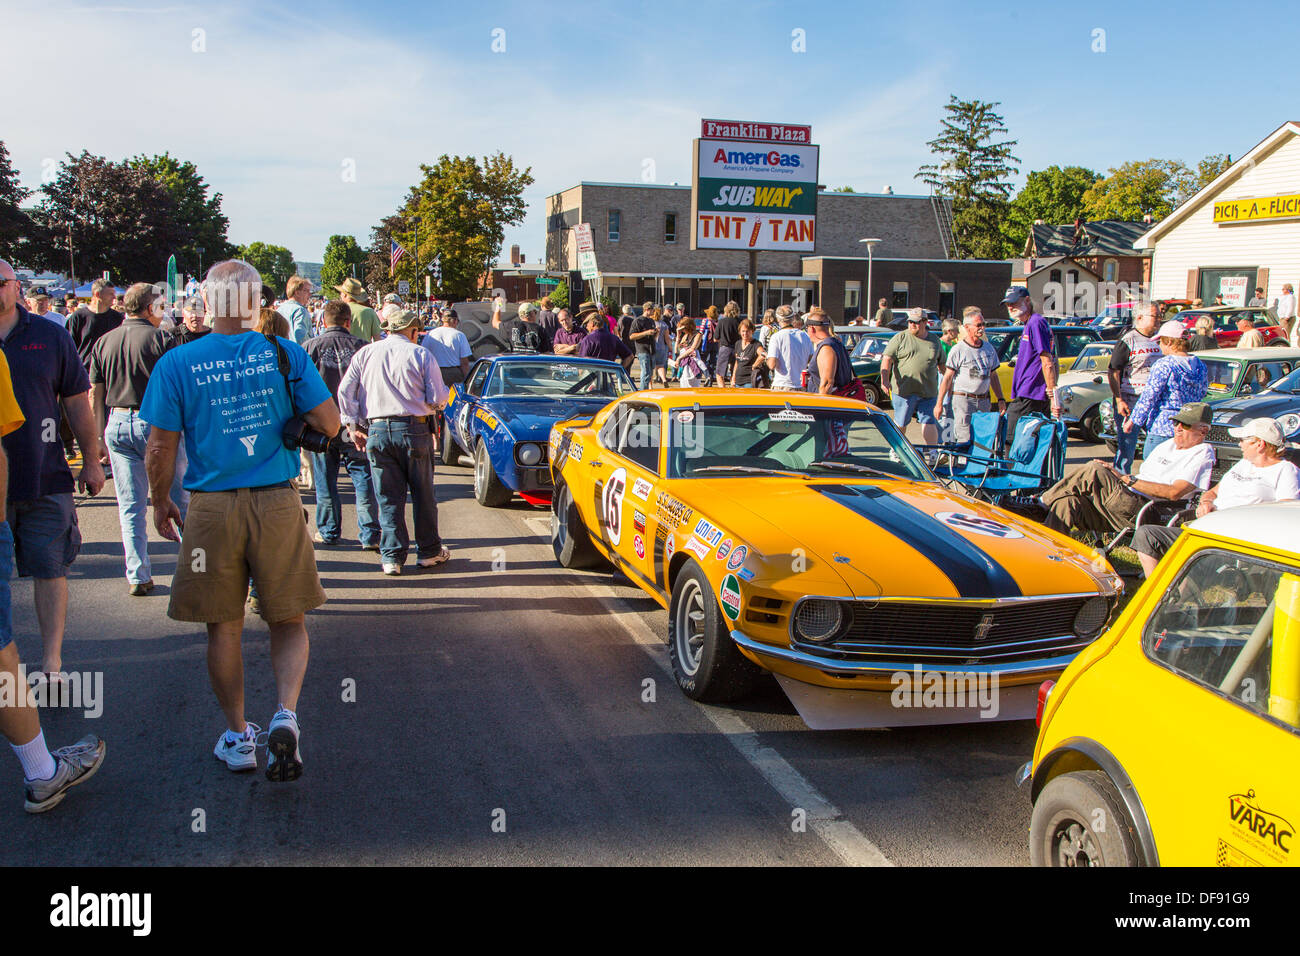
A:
(529, 453)
(1290, 423)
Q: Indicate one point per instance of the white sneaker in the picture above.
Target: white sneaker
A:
(242, 754)
(283, 759)
(393, 569)
(72, 765)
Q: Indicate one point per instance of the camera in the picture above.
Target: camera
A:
(298, 434)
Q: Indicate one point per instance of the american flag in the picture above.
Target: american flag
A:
(839, 439)
(395, 252)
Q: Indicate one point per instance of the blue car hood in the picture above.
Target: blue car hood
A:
(533, 417)
(1267, 404)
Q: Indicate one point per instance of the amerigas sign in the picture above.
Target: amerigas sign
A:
(750, 195)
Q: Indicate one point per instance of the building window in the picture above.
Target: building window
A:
(900, 295)
(852, 295)
(947, 300)
(1110, 271)
(615, 224)
(1054, 276)
(670, 227)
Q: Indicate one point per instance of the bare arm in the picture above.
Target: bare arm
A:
(160, 466)
(82, 421)
(825, 371)
(324, 418)
(886, 367)
(1049, 376)
(944, 385)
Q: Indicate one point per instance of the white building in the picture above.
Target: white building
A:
(1239, 232)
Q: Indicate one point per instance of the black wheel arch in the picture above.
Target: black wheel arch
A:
(1083, 753)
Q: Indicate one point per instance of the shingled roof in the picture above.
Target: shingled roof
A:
(1108, 237)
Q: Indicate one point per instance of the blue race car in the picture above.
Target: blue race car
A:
(501, 416)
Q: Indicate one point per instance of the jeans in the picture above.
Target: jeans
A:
(647, 367)
(126, 436)
(401, 457)
(329, 508)
(1126, 444)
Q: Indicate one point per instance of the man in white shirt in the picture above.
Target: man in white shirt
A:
(387, 398)
(38, 303)
(450, 348)
(788, 352)
(1284, 305)
(1100, 498)
(1261, 476)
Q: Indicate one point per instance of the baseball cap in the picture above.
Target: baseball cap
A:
(1265, 428)
(1173, 329)
(38, 293)
(1015, 294)
(393, 297)
(526, 308)
(449, 314)
(1193, 413)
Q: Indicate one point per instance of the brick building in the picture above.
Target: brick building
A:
(641, 236)
(1072, 269)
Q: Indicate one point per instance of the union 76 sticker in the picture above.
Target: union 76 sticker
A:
(977, 525)
(611, 499)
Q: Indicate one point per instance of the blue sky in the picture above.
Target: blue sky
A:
(313, 119)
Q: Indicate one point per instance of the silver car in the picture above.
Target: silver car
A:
(1084, 387)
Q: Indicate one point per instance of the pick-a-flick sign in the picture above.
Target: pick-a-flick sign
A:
(754, 195)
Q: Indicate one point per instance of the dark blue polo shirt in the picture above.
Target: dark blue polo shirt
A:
(45, 367)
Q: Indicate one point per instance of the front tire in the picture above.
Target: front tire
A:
(706, 663)
(1079, 820)
(1090, 426)
(488, 489)
(874, 396)
(569, 537)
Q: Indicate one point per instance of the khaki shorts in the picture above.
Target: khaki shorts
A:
(231, 536)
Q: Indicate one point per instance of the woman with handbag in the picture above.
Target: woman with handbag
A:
(690, 366)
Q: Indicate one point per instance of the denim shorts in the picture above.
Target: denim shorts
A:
(6, 572)
(46, 537)
(905, 406)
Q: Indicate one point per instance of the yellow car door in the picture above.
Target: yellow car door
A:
(628, 487)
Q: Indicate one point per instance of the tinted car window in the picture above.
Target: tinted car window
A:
(476, 379)
(1070, 344)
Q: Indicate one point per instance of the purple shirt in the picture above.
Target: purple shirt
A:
(562, 337)
(603, 345)
(45, 367)
(1036, 341)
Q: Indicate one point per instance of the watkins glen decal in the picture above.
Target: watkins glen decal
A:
(738, 557)
(977, 525)
(730, 596)
(642, 489)
(709, 534)
(724, 549)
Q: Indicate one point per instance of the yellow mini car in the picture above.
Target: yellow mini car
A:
(1175, 738)
(803, 535)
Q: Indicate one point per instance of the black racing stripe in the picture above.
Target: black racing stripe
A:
(657, 562)
(973, 573)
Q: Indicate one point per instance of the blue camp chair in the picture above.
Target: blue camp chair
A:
(969, 461)
(1034, 461)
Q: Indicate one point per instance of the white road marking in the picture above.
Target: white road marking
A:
(843, 839)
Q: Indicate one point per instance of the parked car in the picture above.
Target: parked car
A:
(866, 355)
(1278, 399)
(1226, 332)
(1082, 389)
(1174, 739)
(501, 417)
(893, 573)
(899, 321)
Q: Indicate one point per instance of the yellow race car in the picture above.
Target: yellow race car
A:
(803, 535)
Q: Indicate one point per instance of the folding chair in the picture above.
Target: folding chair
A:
(969, 461)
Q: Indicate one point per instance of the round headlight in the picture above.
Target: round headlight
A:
(1107, 413)
(530, 454)
(818, 620)
(1091, 617)
(1063, 394)
(1290, 423)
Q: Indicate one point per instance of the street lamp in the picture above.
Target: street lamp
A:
(866, 293)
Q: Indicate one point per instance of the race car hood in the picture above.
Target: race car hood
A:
(532, 418)
(902, 538)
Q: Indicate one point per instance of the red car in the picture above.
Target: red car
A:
(1226, 319)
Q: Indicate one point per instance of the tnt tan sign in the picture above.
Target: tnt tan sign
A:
(1257, 210)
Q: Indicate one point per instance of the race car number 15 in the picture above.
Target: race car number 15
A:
(612, 504)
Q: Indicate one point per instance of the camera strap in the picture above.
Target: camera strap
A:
(282, 360)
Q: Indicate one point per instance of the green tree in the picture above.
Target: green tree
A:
(121, 221)
(1134, 190)
(460, 210)
(1054, 195)
(275, 263)
(843, 189)
(973, 170)
(1188, 182)
(14, 223)
(341, 254)
(559, 295)
(374, 270)
(199, 216)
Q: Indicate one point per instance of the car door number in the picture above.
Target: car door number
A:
(611, 498)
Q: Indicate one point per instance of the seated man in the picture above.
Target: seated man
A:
(1098, 498)
(1261, 476)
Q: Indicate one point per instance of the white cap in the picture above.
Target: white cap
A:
(1265, 428)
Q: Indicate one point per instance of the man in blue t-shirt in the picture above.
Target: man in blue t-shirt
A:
(228, 394)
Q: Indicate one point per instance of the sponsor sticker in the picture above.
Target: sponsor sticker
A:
(790, 415)
(611, 498)
(670, 547)
(638, 521)
(738, 557)
(641, 489)
(639, 544)
(730, 595)
(698, 548)
(724, 549)
(575, 450)
(705, 531)
(686, 417)
(974, 524)
(487, 418)
(671, 511)
(1263, 831)
(745, 574)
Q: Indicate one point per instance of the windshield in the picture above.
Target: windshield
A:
(1093, 358)
(806, 441)
(1223, 375)
(870, 346)
(557, 380)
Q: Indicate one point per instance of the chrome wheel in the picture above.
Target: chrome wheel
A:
(689, 632)
(480, 473)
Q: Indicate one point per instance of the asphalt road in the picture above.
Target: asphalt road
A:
(501, 715)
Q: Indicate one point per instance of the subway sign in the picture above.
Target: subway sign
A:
(754, 195)
(1257, 210)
